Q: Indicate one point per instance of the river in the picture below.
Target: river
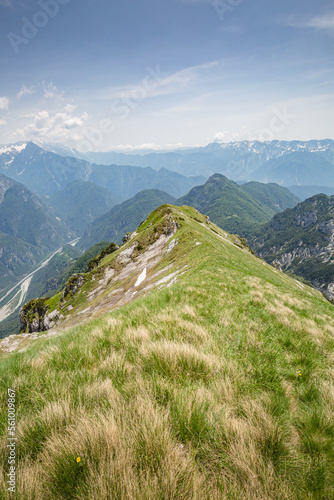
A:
(23, 286)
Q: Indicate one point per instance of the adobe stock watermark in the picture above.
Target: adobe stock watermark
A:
(222, 7)
(280, 120)
(123, 106)
(11, 440)
(30, 27)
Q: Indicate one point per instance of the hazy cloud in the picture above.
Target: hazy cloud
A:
(50, 91)
(321, 22)
(159, 83)
(26, 91)
(4, 102)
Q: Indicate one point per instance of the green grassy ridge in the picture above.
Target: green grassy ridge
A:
(220, 386)
(238, 209)
(146, 234)
(272, 195)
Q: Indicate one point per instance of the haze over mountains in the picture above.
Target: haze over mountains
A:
(284, 162)
(29, 230)
(45, 173)
(287, 163)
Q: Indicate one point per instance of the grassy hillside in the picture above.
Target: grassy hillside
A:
(238, 209)
(214, 381)
(123, 218)
(271, 195)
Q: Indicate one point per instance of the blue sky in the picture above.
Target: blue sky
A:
(106, 74)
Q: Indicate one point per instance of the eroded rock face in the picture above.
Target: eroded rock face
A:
(329, 292)
(327, 227)
(50, 320)
(32, 316)
(305, 220)
(301, 241)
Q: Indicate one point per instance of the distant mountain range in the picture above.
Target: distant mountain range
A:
(284, 162)
(46, 173)
(304, 192)
(300, 241)
(50, 168)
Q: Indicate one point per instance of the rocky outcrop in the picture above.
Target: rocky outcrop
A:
(73, 285)
(306, 219)
(34, 317)
(92, 264)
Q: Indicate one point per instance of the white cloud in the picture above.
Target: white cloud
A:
(3, 122)
(50, 91)
(56, 128)
(6, 3)
(148, 146)
(232, 135)
(158, 83)
(25, 91)
(4, 102)
(69, 108)
(321, 22)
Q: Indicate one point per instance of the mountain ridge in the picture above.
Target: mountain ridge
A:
(196, 370)
(46, 173)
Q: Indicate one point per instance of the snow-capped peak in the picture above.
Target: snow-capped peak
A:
(13, 148)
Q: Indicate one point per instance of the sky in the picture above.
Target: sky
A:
(100, 75)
